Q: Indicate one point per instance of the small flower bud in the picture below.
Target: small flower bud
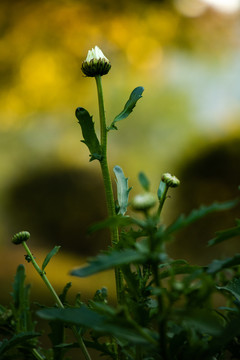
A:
(20, 237)
(144, 201)
(170, 181)
(96, 63)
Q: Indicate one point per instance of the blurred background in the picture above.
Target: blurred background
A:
(185, 53)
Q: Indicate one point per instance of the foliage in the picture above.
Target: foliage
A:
(129, 106)
(165, 307)
(16, 322)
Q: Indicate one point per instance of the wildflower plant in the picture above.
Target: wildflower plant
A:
(164, 307)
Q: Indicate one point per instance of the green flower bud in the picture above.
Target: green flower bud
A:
(20, 237)
(143, 202)
(96, 63)
(170, 181)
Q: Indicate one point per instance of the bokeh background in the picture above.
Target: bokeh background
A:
(185, 53)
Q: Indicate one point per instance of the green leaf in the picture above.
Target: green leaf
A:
(129, 106)
(233, 287)
(102, 324)
(21, 303)
(218, 265)
(161, 190)
(89, 135)
(18, 339)
(122, 190)
(144, 181)
(49, 256)
(18, 286)
(108, 261)
(111, 222)
(225, 234)
(63, 295)
(197, 214)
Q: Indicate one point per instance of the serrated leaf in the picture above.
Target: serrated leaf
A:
(89, 135)
(218, 265)
(107, 261)
(17, 340)
(144, 181)
(225, 234)
(122, 190)
(197, 214)
(49, 256)
(21, 302)
(233, 287)
(129, 106)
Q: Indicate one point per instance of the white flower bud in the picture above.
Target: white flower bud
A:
(96, 63)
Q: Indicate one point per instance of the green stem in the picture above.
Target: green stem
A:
(43, 276)
(58, 301)
(37, 355)
(108, 183)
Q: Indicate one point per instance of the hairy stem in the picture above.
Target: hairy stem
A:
(58, 301)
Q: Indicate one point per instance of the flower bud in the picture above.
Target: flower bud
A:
(143, 202)
(96, 63)
(170, 181)
(20, 237)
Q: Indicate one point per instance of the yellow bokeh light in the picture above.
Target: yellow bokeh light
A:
(38, 70)
(144, 52)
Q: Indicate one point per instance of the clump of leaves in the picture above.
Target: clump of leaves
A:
(168, 310)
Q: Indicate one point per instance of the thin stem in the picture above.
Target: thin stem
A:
(37, 355)
(103, 128)
(58, 301)
(43, 276)
(104, 162)
(108, 183)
